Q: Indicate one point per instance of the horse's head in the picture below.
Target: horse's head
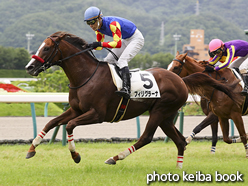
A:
(50, 52)
(177, 64)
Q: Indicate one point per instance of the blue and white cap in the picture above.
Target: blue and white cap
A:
(92, 13)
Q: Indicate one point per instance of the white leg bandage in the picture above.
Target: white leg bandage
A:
(189, 139)
(71, 144)
(213, 150)
(246, 150)
(125, 153)
(236, 140)
(180, 161)
(38, 138)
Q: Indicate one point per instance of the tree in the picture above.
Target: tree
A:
(145, 61)
(51, 81)
(21, 58)
(162, 59)
(13, 58)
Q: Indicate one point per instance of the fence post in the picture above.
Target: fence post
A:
(45, 109)
(232, 128)
(138, 126)
(64, 136)
(54, 134)
(34, 119)
(57, 129)
(181, 120)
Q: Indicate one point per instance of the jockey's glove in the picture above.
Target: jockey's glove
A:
(94, 45)
(209, 69)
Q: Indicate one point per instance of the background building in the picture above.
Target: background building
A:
(197, 49)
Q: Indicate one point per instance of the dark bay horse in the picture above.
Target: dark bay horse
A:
(93, 100)
(219, 107)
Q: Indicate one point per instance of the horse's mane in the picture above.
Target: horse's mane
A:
(200, 63)
(70, 38)
(203, 63)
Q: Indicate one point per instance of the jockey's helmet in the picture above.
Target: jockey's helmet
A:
(215, 44)
(92, 13)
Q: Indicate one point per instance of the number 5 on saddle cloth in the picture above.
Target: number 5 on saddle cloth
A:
(143, 85)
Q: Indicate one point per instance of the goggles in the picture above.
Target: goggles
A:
(91, 22)
(216, 51)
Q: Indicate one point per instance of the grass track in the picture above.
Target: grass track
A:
(53, 165)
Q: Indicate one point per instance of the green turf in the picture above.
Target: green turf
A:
(52, 165)
(24, 109)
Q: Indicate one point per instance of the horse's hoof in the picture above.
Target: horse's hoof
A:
(77, 159)
(110, 161)
(30, 154)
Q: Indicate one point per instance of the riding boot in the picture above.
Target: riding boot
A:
(125, 91)
(245, 90)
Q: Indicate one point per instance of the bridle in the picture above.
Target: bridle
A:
(182, 63)
(48, 63)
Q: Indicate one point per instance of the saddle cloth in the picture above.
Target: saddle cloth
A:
(143, 84)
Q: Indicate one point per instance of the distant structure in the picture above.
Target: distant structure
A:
(197, 8)
(176, 38)
(162, 34)
(197, 49)
(29, 37)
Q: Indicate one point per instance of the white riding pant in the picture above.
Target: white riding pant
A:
(129, 48)
(241, 63)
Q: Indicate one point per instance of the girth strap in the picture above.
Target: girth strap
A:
(121, 110)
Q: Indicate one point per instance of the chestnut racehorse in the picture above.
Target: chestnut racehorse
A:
(93, 100)
(219, 107)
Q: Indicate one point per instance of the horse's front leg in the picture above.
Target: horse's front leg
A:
(89, 117)
(62, 119)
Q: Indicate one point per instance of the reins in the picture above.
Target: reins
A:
(47, 63)
(86, 80)
(82, 51)
(89, 49)
(85, 50)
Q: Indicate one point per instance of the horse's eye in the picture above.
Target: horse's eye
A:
(46, 48)
(175, 68)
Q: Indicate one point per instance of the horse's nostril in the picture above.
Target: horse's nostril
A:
(29, 68)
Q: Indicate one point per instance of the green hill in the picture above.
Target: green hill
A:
(223, 19)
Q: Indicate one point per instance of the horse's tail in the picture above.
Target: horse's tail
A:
(199, 83)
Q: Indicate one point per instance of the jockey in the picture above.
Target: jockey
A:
(127, 41)
(226, 52)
